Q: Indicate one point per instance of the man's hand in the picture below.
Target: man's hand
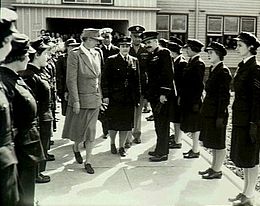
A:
(76, 107)
(106, 100)
(163, 99)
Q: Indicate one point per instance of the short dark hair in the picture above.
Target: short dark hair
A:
(12, 58)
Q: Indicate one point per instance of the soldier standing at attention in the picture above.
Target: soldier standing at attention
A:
(139, 51)
(160, 86)
(191, 95)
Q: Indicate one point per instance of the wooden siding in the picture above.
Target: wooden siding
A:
(207, 7)
(6, 3)
(126, 3)
(31, 20)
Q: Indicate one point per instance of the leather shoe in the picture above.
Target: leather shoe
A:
(145, 110)
(137, 140)
(235, 198)
(205, 171)
(89, 168)
(128, 145)
(150, 118)
(174, 145)
(51, 142)
(78, 156)
(158, 158)
(113, 149)
(152, 153)
(243, 201)
(121, 152)
(42, 178)
(212, 175)
(50, 157)
(191, 155)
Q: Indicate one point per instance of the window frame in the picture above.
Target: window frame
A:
(89, 3)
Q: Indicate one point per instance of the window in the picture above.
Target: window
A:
(103, 2)
(224, 28)
(172, 25)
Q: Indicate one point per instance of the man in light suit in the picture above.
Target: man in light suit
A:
(83, 83)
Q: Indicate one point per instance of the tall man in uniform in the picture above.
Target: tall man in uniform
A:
(108, 49)
(139, 51)
(160, 87)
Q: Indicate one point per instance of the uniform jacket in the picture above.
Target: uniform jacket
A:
(120, 80)
(246, 106)
(179, 65)
(217, 92)
(83, 79)
(7, 153)
(141, 55)
(40, 87)
(112, 51)
(61, 68)
(192, 82)
(28, 146)
(160, 74)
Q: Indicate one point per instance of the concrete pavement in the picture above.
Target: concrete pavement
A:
(132, 180)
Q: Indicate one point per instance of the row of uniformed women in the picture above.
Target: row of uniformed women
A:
(212, 113)
(20, 108)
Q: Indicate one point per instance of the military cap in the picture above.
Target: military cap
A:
(71, 42)
(91, 33)
(216, 47)
(248, 38)
(106, 31)
(176, 40)
(124, 40)
(136, 29)
(174, 47)
(7, 19)
(20, 45)
(163, 42)
(194, 44)
(38, 44)
(149, 35)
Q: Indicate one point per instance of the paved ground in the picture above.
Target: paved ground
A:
(132, 180)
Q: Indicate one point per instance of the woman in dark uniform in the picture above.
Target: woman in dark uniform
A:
(28, 146)
(191, 95)
(8, 172)
(38, 83)
(245, 140)
(214, 111)
(121, 91)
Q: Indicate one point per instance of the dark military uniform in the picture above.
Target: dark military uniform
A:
(160, 82)
(28, 146)
(215, 106)
(8, 172)
(191, 94)
(120, 83)
(109, 52)
(246, 108)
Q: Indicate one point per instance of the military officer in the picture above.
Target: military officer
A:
(160, 87)
(139, 51)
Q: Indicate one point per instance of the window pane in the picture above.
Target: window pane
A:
(248, 24)
(231, 25)
(178, 23)
(162, 23)
(164, 34)
(215, 24)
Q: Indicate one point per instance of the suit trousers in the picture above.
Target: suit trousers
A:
(137, 119)
(9, 186)
(162, 127)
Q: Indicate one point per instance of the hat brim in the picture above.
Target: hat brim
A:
(97, 38)
(238, 39)
(73, 44)
(31, 50)
(148, 38)
(208, 48)
(124, 43)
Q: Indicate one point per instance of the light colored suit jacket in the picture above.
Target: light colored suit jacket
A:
(83, 79)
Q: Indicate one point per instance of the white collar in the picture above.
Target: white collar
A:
(247, 59)
(175, 59)
(215, 65)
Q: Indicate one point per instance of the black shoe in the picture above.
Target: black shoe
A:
(205, 171)
(175, 145)
(145, 110)
(42, 178)
(51, 142)
(185, 153)
(128, 145)
(50, 157)
(172, 137)
(191, 155)
(137, 140)
(243, 201)
(84, 144)
(150, 118)
(212, 175)
(158, 158)
(104, 136)
(121, 152)
(235, 198)
(113, 149)
(152, 153)
(89, 168)
(78, 156)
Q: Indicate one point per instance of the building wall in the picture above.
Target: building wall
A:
(6, 3)
(207, 7)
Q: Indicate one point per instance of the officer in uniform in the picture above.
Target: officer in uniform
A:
(191, 95)
(121, 91)
(179, 63)
(160, 87)
(139, 51)
(8, 181)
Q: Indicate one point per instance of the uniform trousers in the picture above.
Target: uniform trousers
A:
(137, 119)
(162, 127)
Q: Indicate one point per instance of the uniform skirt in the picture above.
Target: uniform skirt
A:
(244, 153)
(120, 117)
(189, 120)
(82, 126)
(211, 136)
